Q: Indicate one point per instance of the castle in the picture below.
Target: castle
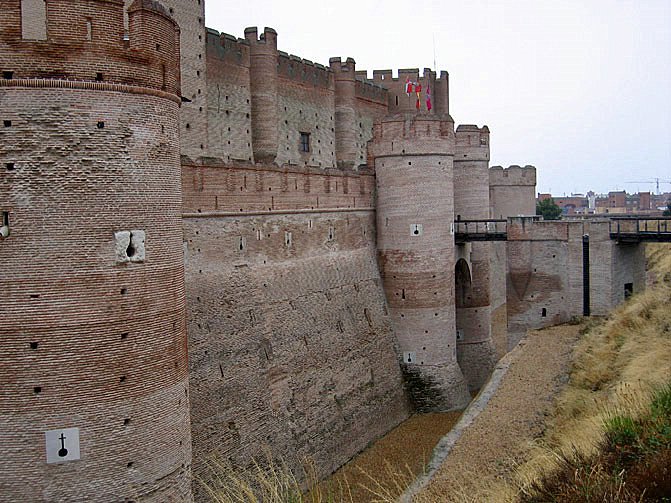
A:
(292, 227)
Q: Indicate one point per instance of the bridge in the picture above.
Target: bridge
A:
(622, 230)
(640, 229)
(480, 230)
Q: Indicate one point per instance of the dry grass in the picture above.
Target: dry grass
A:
(617, 366)
(383, 471)
(379, 474)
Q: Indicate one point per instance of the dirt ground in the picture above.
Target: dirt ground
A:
(501, 436)
(489, 449)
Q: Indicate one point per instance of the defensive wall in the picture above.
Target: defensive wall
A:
(254, 175)
(95, 401)
(302, 360)
(561, 269)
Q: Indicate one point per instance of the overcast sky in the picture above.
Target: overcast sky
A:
(581, 89)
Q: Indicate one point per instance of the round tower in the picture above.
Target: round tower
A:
(475, 350)
(413, 157)
(345, 111)
(263, 79)
(95, 402)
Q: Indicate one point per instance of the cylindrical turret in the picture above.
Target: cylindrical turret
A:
(414, 161)
(263, 80)
(475, 349)
(345, 112)
(94, 371)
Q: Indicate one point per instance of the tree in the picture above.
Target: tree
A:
(667, 211)
(548, 208)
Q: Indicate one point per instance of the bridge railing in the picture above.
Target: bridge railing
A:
(640, 228)
(480, 230)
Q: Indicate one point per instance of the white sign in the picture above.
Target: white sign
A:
(62, 445)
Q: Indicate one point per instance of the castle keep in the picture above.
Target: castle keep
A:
(169, 189)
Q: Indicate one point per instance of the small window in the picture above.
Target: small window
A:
(305, 142)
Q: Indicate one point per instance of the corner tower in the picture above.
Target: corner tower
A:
(414, 156)
(94, 365)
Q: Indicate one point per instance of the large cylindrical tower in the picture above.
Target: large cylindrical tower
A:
(93, 368)
(475, 350)
(414, 170)
(263, 79)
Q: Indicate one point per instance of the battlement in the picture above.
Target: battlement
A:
(397, 98)
(304, 71)
(227, 48)
(267, 38)
(514, 175)
(371, 92)
(470, 135)
(416, 134)
(83, 40)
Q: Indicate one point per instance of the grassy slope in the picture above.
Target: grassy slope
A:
(617, 366)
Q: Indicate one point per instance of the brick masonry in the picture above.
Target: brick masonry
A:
(291, 343)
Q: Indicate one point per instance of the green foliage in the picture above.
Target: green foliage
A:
(548, 208)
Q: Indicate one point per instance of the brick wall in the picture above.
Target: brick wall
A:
(544, 274)
(264, 188)
(190, 15)
(512, 191)
(229, 98)
(475, 350)
(291, 346)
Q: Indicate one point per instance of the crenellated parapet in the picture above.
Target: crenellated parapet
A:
(512, 191)
(472, 143)
(513, 175)
(303, 71)
(399, 100)
(83, 40)
(227, 48)
(412, 134)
